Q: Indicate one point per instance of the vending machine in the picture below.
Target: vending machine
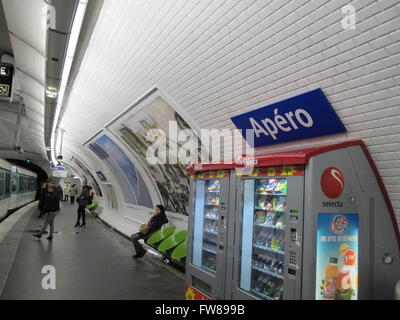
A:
(269, 204)
(212, 190)
(306, 224)
(313, 224)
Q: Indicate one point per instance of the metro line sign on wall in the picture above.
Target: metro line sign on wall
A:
(304, 116)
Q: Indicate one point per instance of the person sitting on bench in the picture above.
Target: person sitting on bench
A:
(156, 222)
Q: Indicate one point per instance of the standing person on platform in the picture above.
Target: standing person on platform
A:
(72, 193)
(156, 222)
(60, 191)
(66, 193)
(42, 195)
(83, 201)
(51, 207)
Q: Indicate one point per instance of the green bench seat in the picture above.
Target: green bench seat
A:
(180, 251)
(172, 241)
(93, 206)
(160, 235)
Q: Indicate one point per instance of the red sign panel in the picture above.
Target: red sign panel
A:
(193, 294)
(212, 174)
(282, 171)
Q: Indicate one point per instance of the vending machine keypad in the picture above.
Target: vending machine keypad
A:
(292, 258)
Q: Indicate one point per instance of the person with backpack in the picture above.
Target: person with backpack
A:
(156, 222)
(83, 201)
(51, 207)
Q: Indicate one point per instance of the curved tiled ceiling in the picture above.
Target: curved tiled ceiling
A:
(27, 32)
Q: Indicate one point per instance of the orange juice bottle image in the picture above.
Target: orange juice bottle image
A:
(356, 281)
(331, 276)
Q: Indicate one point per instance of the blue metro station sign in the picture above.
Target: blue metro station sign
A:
(304, 116)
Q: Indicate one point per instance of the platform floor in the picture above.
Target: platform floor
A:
(90, 263)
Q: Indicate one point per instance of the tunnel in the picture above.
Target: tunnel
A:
(199, 150)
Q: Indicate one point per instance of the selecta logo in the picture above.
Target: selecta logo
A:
(339, 224)
(332, 182)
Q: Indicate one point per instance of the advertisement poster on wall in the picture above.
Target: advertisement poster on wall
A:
(89, 177)
(171, 179)
(132, 185)
(337, 257)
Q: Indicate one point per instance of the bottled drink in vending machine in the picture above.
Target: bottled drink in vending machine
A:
(330, 281)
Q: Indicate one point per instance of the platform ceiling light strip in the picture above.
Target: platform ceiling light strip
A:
(72, 43)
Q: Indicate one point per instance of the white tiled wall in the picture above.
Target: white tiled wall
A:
(220, 58)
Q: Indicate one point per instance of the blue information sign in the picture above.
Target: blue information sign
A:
(305, 116)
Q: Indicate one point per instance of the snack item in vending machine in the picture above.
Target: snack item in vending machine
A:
(264, 239)
(278, 292)
(213, 200)
(260, 216)
(281, 205)
(215, 213)
(262, 187)
(214, 186)
(279, 267)
(269, 288)
(214, 227)
(280, 221)
(269, 219)
(274, 261)
(280, 244)
(262, 203)
(273, 243)
(272, 183)
(281, 187)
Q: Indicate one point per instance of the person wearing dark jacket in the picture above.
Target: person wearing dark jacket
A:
(51, 207)
(156, 222)
(60, 192)
(42, 196)
(83, 201)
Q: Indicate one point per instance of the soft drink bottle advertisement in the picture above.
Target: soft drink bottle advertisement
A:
(337, 257)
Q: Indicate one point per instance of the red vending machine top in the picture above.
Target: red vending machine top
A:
(302, 157)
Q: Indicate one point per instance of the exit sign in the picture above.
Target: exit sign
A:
(6, 80)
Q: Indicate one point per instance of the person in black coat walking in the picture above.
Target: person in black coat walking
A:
(51, 207)
(83, 201)
(42, 196)
(155, 223)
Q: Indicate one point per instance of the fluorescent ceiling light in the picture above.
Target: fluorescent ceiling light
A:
(51, 92)
(72, 42)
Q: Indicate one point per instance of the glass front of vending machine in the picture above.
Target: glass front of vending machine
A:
(267, 239)
(206, 261)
